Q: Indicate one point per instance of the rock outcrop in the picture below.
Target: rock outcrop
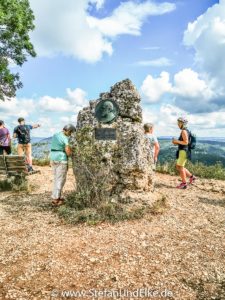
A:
(127, 159)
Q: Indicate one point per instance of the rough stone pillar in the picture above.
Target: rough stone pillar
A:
(110, 134)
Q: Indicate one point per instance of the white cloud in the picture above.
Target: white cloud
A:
(48, 103)
(187, 89)
(17, 108)
(202, 124)
(192, 93)
(159, 62)
(74, 101)
(188, 84)
(65, 30)
(77, 96)
(202, 92)
(69, 29)
(207, 36)
(154, 88)
(164, 118)
(70, 119)
(129, 17)
(52, 113)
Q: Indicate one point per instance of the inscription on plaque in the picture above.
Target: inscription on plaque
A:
(105, 134)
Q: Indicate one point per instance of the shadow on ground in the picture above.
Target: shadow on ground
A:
(215, 202)
(32, 202)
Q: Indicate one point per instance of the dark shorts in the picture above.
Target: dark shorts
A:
(7, 149)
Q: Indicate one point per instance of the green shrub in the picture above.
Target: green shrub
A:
(216, 171)
(15, 183)
(166, 168)
(5, 185)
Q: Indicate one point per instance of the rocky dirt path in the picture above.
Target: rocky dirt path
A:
(180, 253)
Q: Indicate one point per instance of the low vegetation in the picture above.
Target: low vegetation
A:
(93, 201)
(216, 171)
(15, 184)
(74, 211)
(206, 152)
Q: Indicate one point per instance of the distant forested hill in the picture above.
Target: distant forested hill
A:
(208, 150)
(41, 147)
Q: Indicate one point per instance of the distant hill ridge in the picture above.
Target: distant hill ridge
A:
(37, 140)
(211, 140)
(200, 139)
(209, 150)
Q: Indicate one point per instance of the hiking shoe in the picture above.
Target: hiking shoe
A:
(192, 179)
(182, 186)
(30, 169)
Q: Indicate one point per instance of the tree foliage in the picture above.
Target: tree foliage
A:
(16, 21)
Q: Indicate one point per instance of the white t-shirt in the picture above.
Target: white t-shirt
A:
(152, 140)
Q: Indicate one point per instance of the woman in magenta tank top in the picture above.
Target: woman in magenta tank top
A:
(5, 141)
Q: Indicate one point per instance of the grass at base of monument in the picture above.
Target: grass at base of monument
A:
(15, 184)
(73, 213)
(216, 171)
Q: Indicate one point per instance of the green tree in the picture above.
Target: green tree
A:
(16, 21)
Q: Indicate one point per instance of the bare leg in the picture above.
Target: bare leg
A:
(183, 174)
(188, 174)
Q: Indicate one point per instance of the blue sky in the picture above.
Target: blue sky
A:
(172, 51)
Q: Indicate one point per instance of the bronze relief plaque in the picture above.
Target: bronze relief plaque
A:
(106, 111)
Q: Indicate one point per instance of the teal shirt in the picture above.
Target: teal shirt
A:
(59, 142)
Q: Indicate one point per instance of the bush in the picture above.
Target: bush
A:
(15, 183)
(5, 185)
(166, 168)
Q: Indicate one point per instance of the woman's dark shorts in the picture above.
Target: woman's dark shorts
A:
(7, 149)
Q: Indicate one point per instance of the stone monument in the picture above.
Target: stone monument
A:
(113, 125)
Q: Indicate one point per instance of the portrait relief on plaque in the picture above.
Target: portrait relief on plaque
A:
(106, 111)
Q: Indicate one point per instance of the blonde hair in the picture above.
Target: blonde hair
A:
(148, 127)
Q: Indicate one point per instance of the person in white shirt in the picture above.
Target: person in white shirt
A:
(154, 144)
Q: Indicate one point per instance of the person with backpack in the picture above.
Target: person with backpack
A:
(153, 142)
(5, 140)
(60, 151)
(185, 144)
(22, 133)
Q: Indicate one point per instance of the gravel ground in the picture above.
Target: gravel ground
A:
(179, 253)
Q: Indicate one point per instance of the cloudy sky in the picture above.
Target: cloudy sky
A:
(172, 51)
